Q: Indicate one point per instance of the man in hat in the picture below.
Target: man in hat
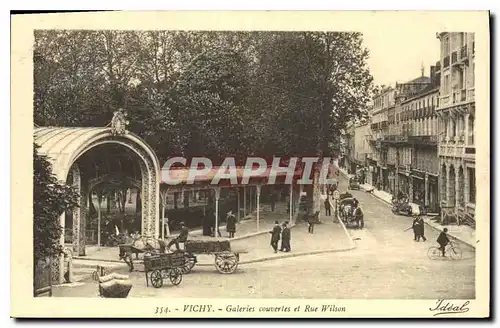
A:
(275, 236)
(285, 238)
(230, 224)
(182, 238)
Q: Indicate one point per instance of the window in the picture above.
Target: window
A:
(446, 86)
(472, 185)
(446, 46)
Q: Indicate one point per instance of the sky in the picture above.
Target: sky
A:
(394, 58)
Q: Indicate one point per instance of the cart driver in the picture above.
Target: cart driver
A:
(182, 238)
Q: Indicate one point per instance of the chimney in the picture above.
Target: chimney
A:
(433, 75)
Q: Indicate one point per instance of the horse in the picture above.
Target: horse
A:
(136, 244)
(358, 217)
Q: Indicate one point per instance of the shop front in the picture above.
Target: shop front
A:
(392, 179)
(418, 187)
(433, 196)
(404, 186)
(385, 180)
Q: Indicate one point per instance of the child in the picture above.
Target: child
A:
(443, 240)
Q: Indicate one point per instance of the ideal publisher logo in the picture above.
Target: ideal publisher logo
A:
(282, 170)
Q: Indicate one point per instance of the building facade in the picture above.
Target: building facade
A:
(456, 111)
(358, 136)
(415, 147)
(383, 104)
(404, 145)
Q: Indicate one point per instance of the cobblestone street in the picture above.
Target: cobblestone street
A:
(387, 263)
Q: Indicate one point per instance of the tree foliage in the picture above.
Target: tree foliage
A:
(51, 198)
(210, 93)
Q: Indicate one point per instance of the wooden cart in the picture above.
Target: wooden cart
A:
(162, 266)
(226, 261)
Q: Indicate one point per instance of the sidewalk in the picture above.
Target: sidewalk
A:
(254, 245)
(462, 233)
(244, 229)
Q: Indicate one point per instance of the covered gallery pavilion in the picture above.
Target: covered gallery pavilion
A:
(96, 160)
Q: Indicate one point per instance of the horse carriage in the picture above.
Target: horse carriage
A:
(350, 214)
(226, 260)
(354, 183)
(162, 266)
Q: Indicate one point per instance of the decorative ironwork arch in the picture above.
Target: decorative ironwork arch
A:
(64, 146)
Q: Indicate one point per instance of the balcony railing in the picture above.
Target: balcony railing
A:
(423, 140)
(454, 57)
(446, 61)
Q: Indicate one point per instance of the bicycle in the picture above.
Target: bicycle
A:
(451, 250)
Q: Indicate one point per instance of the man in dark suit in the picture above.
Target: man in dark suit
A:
(275, 236)
(328, 207)
(285, 238)
(182, 238)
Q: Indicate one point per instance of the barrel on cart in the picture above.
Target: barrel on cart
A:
(226, 261)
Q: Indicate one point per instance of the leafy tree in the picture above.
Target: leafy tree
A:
(51, 198)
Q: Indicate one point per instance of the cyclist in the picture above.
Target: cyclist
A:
(443, 240)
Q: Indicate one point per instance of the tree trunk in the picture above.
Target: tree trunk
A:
(316, 206)
(108, 203)
(92, 210)
(123, 199)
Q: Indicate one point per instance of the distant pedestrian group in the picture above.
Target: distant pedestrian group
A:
(280, 233)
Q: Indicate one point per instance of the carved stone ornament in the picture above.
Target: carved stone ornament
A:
(119, 122)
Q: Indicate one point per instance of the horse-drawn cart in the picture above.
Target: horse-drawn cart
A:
(350, 214)
(226, 260)
(163, 266)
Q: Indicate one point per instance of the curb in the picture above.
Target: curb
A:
(454, 237)
(284, 256)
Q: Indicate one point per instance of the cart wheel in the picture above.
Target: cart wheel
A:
(189, 262)
(175, 276)
(226, 263)
(156, 279)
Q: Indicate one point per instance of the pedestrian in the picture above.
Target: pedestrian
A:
(328, 207)
(415, 229)
(231, 224)
(273, 200)
(285, 238)
(182, 238)
(421, 227)
(311, 221)
(275, 236)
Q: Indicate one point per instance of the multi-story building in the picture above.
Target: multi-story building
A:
(456, 111)
(348, 161)
(383, 104)
(407, 144)
(357, 148)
